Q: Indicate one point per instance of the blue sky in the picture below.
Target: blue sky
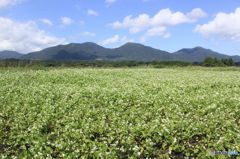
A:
(30, 25)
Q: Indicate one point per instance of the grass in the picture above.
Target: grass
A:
(119, 113)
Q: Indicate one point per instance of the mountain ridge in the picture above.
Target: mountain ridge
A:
(199, 54)
(6, 54)
(127, 52)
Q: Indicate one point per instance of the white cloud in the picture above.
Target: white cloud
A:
(109, 2)
(6, 3)
(125, 39)
(134, 25)
(87, 33)
(196, 13)
(154, 32)
(111, 40)
(166, 17)
(163, 19)
(24, 37)
(92, 12)
(66, 21)
(224, 25)
(46, 21)
(116, 39)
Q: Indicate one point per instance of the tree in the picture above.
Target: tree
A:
(228, 62)
(214, 62)
(209, 62)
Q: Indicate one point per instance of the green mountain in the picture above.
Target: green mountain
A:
(199, 54)
(139, 52)
(92, 51)
(85, 51)
(129, 51)
(9, 55)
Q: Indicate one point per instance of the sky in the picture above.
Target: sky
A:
(170, 25)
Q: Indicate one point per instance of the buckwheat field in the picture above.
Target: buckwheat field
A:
(119, 113)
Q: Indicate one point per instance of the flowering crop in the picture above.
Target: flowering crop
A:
(119, 113)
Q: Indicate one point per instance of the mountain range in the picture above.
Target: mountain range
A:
(10, 54)
(128, 52)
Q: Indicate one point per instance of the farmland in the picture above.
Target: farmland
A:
(119, 113)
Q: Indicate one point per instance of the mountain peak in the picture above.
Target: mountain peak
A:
(6, 54)
(198, 54)
(132, 44)
(81, 44)
(192, 50)
(90, 44)
(130, 51)
(200, 48)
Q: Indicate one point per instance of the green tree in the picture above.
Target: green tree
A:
(209, 62)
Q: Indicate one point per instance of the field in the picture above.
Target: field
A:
(119, 113)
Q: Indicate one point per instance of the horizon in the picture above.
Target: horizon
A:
(119, 47)
(163, 25)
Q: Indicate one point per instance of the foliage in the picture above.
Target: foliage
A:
(161, 64)
(214, 62)
(35, 63)
(119, 113)
(209, 62)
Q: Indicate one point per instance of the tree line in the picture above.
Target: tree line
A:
(213, 62)
(208, 62)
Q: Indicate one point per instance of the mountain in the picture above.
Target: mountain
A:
(128, 51)
(85, 51)
(139, 52)
(235, 58)
(92, 51)
(9, 55)
(199, 54)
